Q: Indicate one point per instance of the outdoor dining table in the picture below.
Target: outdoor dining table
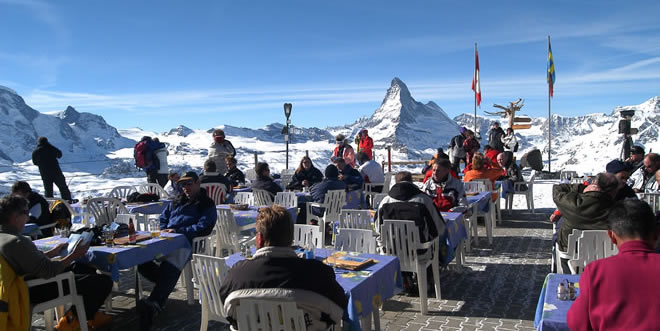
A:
(366, 289)
(455, 241)
(480, 199)
(550, 311)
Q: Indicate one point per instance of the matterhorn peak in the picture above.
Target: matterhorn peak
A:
(398, 91)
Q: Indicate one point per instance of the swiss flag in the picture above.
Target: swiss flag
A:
(476, 82)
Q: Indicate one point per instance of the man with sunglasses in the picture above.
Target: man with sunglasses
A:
(644, 178)
(192, 214)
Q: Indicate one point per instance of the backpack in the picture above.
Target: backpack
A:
(143, 155)
(60, 214)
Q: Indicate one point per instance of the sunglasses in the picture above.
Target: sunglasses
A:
(186, 183)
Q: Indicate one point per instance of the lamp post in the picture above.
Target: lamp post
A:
(287, 113)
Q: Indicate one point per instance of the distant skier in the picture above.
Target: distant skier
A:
(220, 149)
(45, 157)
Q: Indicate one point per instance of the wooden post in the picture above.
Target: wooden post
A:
(307, 153)
(389, 158)
(256, 159)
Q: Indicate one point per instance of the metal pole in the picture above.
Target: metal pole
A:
(475, 92)
(549, 119)
(256, 159)
(307, 153)
(389, 158)
(287, 144)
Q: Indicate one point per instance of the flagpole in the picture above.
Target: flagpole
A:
(475, 94)
(549, 117)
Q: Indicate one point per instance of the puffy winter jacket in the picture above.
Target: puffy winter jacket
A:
(366, 146)
(312, 175)
(495, 139)
(218, 153)
(14, 300)
(192, 218)
(45, 157)
(346, 152)
(456, 145)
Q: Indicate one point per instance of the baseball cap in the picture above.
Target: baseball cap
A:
(189, 175)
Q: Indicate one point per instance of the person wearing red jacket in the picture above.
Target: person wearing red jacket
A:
(621, 292)
(470, 145)
(366, 144)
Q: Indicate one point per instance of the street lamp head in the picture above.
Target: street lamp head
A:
(287, 110)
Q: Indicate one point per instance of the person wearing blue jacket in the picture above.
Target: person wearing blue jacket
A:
(348, 175)
(192, 214)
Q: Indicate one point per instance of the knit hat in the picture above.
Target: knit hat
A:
(617, 166)
(331, 171)
(340, 137)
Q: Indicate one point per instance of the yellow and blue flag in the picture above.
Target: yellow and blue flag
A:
(551, 70)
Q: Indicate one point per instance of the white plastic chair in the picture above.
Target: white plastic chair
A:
(578, 180)
(210, 271)
(215, 191)
(262, 197)
(121, 192)
(303, 233)
(226, 233)
(495, 212)
(653, 199)
(401, 239)
(355, 219)
(567, 175)
(333, 202)
(286, 199)
(356, 240)
(154, 189)
(269, 314)
(244, 198)
(518, 189)
(370, 191)
(286, 178)
(62, 299)
(200, 245)
(479, 186)
(591, 246)
(105, 210)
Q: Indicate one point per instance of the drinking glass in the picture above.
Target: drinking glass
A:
(108, 237)
(154, 227)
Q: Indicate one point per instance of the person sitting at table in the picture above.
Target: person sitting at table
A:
(622, 291)
(479, 171)
(275, 268)
(305, 176)
(371, 171)
(173, 188)
(348, 175)
(511, 175)
(38, 206)
(405, 201)
(583, 207)
(27, 260)
(211, 176)
(447, 192)
(318, 191)
(264, 181)
(191, 214)
(235, 176)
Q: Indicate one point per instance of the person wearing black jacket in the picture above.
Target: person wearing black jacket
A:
(45, 157)
(37, 206)
(306, 175)
(275, 269)
(495, 137)
(235, 176)
(348, 175)
(264, 181)
(621, 170)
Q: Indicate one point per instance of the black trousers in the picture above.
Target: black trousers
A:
(161, 179)
(57, 179)
(164, 276)
(93, 287)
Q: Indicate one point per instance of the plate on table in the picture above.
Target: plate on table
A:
(239, 206)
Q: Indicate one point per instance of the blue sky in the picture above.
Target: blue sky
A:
(158, 64)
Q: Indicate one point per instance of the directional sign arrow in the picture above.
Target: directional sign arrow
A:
(521, 126)
(522, 120)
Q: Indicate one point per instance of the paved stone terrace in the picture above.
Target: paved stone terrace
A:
(497, 290)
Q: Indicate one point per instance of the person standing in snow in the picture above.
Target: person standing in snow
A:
(344, 151)
(470, 145)
(495, 137)
(457, 151)
(220, 149)
(45, 157)
(366, 144)
(510, 141)
(159, 175)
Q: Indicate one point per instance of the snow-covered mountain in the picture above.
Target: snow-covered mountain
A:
(582, 143)
(412, 128)
(80, 136)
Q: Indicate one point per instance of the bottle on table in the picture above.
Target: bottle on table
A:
(132, 236)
